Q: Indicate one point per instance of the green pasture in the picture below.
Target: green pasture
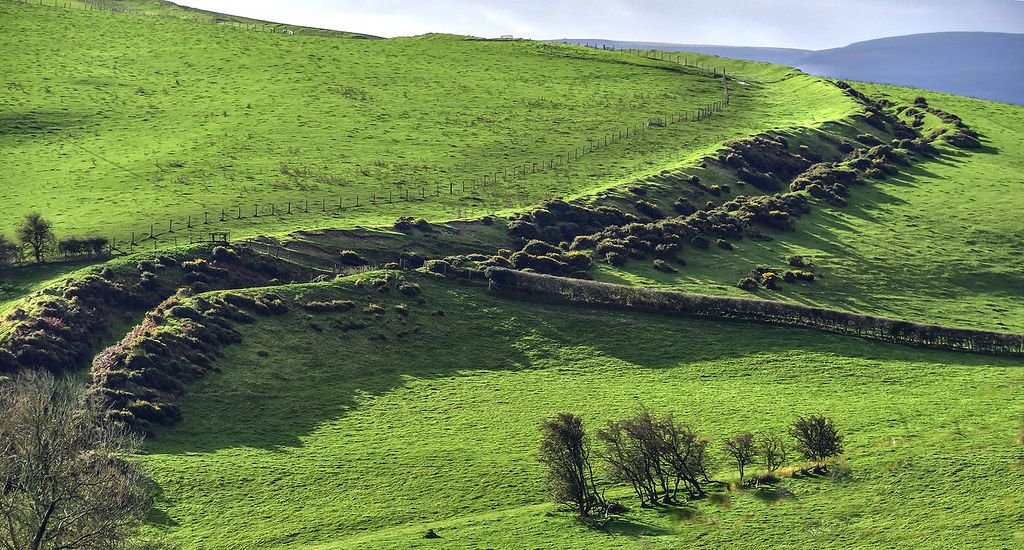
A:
(318, 435)
(118, 123)
(940, 243)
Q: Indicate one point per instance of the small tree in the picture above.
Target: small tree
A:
(817, 438)
(565, 451)
(742, 449)
(773, 451)
(35, 232)
(65, 483)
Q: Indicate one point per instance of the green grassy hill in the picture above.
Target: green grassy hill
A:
(937, 243)
(130, 120)
(318, 436)
(363, 429)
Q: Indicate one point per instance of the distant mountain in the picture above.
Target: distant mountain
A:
(779, 56)
(977, 64)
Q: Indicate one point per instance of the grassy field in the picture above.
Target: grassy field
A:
(365, 438)
(939, 243)
(114, 123)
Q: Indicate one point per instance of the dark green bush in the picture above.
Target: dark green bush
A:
(684, 206)
(701, 242)
(351, 258)
(409, 288)
(869, 139)
(331, 306)
(748, 284)
(541, 248)
(667, 251)
(649, 209)
(615, 259)
(583, 242)
(724, 244)
(223, 254)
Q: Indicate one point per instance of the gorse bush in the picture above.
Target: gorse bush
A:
(351, 258)
(662, 265)
(329, 306)
(649, 209)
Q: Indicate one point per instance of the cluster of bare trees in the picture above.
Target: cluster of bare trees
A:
(663, 459)
(64, 479)
(34, 239)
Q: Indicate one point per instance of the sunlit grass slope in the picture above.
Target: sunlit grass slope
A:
(319, 434)
(939, 243)
(112, 122)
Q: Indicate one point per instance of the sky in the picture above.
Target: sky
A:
(805, 24)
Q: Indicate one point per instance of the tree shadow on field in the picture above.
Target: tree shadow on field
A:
(34, 123)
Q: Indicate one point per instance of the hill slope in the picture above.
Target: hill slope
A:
(937, 243)
(368, 438)
(219, 123)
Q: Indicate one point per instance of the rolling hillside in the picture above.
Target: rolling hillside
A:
(373, 448)
(937, 243)
(219, 123)
(341, 378)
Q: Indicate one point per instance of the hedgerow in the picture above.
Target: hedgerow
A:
(768, 311)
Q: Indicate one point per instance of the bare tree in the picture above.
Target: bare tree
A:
(656, 456)
(773, 451)
(817, 438)
(742, 449)
(35, 232)
(684, 453)
(627, 462)
(565, 450)
(65, 482)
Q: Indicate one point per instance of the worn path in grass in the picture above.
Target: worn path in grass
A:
(367, 437)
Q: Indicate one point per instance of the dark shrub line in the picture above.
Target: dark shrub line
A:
(592, 293)
(60, 329)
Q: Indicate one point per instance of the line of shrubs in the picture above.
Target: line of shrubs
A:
(664, 460)
(763, 161)
(592, 293)
(60, 328)
(144, 377)
(664, 238)
(767, 277)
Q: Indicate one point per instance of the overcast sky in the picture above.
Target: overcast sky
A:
(808, 24)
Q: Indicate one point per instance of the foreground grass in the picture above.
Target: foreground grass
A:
(116, 121)
(939, 243)
(317, 436)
